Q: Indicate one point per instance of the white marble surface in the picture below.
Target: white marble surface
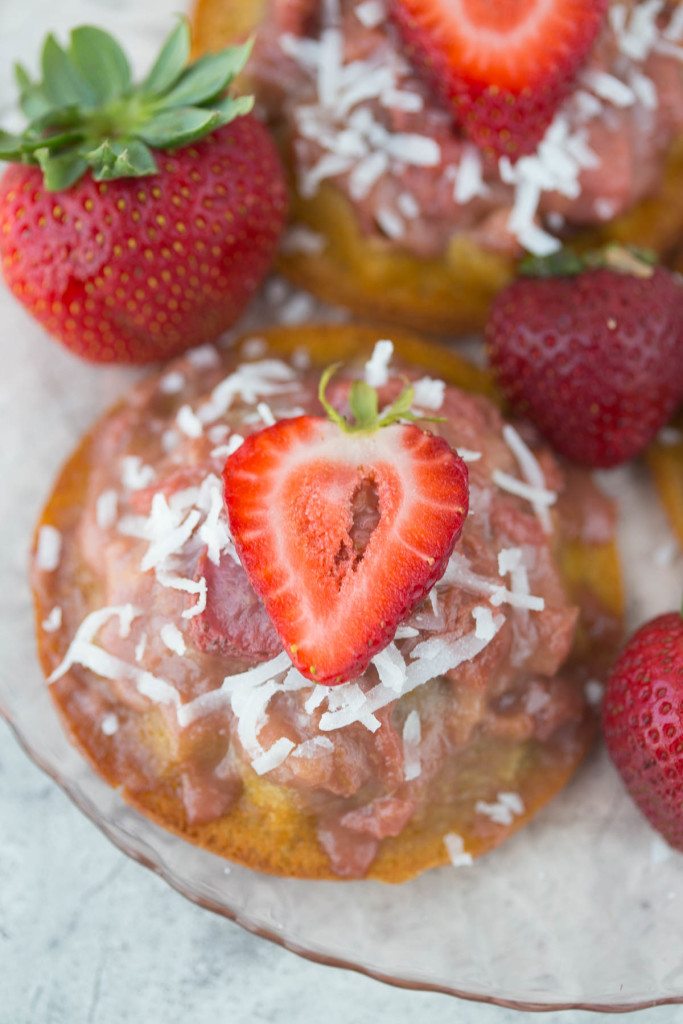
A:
(89, 937)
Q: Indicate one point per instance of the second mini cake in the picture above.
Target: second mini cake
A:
(407, 207)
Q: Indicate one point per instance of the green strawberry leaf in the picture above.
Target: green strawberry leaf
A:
(400, 408)
(56, 117)
(11, 146)
(172, 128)
(170, 63)
(233, 106)
(85, 113)
(208, 78)
(60, 171)
(101, 62)
(62, 84)
(116, 158)
(363, 404)
(32, 100)
(21, 147)
(563, 263)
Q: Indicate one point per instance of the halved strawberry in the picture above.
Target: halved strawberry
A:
(503, 65)
(343, 529)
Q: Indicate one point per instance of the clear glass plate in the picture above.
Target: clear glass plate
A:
(581, 909)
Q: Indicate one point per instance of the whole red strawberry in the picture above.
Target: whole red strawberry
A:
(343, 528)
(141, 219)
(643, 722)
(593, 356)
(502, 67)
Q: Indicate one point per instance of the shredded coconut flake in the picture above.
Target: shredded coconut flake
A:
(170, 440)
(467, 455)
(531, 471)
(82, 651)
(377, 366)
(314, 747)
(135, 475)
(254, 348)
(607, 87)
(455, 847)
(169, 540)
(408, 205)
(140, 648)
(412, 736)
(370, 13)
(297, 310)
(250, 382)
(243, 682)
(109, 724)
(106, 508)
(218, 432)
(52, 622)
(485, 626)
(503, 811)
(204, 357)
(528, 602)
(172, 638)
(266, 414)
(391, 668)
(594, 690)
(171, 383)
(556, 166)
(429, 393)
(669, 436)
(188, 422)
(535, 495)
(469, 178)
(226, 450)
(509, 559)
(49, 549)
(273, 757)
(390, 222)
(302, 239)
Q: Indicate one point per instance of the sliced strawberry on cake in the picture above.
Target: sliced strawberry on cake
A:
(504, 66)
(343, 528)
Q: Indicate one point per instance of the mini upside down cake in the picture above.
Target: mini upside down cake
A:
(186, 682)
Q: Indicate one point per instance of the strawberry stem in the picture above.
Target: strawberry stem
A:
(86, 114)
(364, 406)
(625, 259)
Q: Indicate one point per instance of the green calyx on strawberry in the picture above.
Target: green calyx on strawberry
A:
(503, 68)
(343, 527)
(137, 221)
(86, 113)
(590, 347)
(642, 718)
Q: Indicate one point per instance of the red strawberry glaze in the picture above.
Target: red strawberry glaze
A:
(351, 778)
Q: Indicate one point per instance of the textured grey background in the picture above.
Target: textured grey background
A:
(89, 937)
